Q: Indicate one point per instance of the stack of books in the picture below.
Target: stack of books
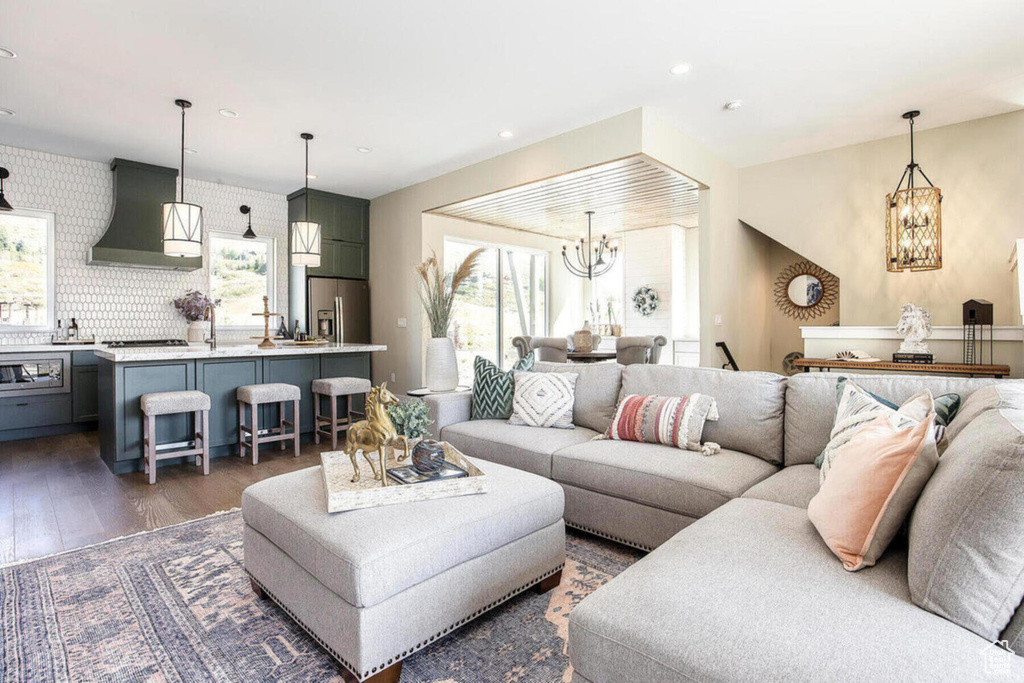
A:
(922, 358)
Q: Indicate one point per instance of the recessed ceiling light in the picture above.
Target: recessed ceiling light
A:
(6, 112)
(189, 150)
(364, 150)
(680, 69)
(229, 113)
(505, 134)
(7, 53)
(733, 105)
(311, 176)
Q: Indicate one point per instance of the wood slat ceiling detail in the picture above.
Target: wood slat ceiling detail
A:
(628, 194)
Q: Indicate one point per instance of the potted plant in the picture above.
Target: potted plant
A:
(437, 291)
(411, 422)
(192, 307)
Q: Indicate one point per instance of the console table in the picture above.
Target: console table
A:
(827, 364)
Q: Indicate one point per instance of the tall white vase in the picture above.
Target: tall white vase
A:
(442, 369)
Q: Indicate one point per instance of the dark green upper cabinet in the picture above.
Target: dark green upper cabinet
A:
(344, 227)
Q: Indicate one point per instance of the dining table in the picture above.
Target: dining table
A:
(590, 356)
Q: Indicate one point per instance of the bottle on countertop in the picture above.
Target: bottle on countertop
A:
(73, 331)
(58, 334)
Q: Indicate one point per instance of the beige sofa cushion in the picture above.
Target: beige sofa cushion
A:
(597, 391)
(750, 593)
(672, 479)
(525, 448)
(967, 531)
(750, 404)
(994, 397)
(811, 403)
(794, 485)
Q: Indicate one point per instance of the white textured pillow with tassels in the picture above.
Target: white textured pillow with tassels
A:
(544, 399)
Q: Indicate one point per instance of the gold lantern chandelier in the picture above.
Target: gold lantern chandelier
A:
(913, 219)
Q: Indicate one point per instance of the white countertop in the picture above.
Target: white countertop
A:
(37, 348)
(229, 349)
(225, 349)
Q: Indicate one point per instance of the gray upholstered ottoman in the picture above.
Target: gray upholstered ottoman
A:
(373, 586)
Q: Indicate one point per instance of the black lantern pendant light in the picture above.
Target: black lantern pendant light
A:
(590, 259)
(913, 219)
(305, 233)
(4, 204)
(183, 223)
(246, 211)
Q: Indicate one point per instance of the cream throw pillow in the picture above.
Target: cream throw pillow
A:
(876, 479)
(858, 408)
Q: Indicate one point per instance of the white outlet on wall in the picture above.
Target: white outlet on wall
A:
(403, 322)
(718, 319)
(393, 379)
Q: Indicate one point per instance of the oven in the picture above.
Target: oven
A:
(35, 374)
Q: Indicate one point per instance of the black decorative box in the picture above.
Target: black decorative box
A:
(916, 358)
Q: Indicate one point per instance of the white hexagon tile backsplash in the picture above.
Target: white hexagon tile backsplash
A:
(126, 303)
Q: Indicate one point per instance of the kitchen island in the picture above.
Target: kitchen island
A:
(125, 374)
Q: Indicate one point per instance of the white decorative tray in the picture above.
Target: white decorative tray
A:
(343, 494)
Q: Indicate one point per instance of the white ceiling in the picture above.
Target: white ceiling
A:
(428, 85)
(626, 194)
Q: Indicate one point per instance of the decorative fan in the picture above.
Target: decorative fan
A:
(789, 363)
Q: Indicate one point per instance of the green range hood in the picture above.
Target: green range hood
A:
(133, 236)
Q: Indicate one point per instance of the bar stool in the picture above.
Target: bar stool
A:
(172, 403)
(256, 394)
(333, 387)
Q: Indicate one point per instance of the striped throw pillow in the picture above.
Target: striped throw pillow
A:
(668, 420)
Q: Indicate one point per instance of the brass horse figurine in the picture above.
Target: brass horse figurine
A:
(374, 433)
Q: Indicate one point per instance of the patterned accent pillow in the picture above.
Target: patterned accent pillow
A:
(946, 406)
(669, 420)
(544, 399)
(857, 408)
(493, 389)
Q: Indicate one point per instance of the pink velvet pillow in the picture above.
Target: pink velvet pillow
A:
(875, 481)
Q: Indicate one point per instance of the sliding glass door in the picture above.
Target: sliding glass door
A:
(487, 316)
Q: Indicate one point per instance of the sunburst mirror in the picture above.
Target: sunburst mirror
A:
(804, 290)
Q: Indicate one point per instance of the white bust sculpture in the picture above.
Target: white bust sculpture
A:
(915, 325)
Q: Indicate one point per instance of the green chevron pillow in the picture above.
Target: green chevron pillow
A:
(493, 389)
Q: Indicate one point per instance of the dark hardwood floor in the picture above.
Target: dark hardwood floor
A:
(56, 494)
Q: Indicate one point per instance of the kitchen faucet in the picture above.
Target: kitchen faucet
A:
(211, 315)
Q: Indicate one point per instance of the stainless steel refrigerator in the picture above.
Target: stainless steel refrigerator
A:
(328, 296)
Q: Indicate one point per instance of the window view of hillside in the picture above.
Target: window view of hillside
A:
(23, 261)
(239, 277)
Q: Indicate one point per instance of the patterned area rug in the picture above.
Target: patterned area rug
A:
(175, 605)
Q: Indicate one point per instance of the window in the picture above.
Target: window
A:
(27, 269)
(487, 316)
(241, 274)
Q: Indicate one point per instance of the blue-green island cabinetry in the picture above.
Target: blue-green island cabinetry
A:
(121, 384)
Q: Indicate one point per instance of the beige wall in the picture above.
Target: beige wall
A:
(734, 269)
(784, 332)
(396, 227)
(830, 207)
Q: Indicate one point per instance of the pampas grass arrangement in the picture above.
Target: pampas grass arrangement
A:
(437, 289)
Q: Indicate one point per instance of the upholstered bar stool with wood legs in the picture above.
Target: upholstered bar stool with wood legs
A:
(254, 395)
(334, 388)
(173, 403)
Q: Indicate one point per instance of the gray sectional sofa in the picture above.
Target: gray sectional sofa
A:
(739, 585)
